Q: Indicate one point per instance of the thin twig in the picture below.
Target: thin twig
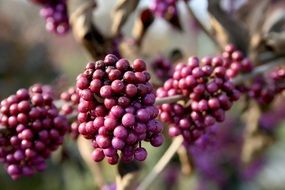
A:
(164, 160)
(169, 99)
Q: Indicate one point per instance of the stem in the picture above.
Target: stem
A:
(169, 99)
(164, 160)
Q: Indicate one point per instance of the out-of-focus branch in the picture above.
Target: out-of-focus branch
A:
(256, 140)
(164, 160)
(85, 150)
(185, 160)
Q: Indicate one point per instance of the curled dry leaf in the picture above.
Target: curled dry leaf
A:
(142, 23)
(121, 13)
(227, 29)
(84, 30)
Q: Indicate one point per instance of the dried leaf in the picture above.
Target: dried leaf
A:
(142, 23)
(186, 161)
(227, 29)
(121, 13)
(84, 30)
(276, 42)
(173, 20)
(275, 22)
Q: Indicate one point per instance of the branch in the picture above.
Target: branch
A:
(164, 160)
(169, 99)
(85, 152)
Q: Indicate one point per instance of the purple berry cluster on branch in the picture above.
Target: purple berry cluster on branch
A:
(162, 8)
(33, 129)
(116, 109)
(208, 95)
(70, 100)
(235, 62)
(264, 88)
(162, 67)
(55, 14)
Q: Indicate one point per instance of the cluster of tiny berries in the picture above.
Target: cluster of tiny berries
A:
(208, 92)
(55, 14)
(162, 67)
(235, 62)
(116, 109)
(31, 130)
(162, 8)
(262, 88)
(70, 101)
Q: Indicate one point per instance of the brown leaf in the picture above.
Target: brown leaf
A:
(84, 30)
(173, 20)
(121, 13)
(142, 23)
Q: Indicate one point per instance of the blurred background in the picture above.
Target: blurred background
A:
(29, 54)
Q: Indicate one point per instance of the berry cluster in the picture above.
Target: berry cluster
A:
(33, 129)
(264, 88)
(162, 8)
(55, 14)
(70, 102)
(116, 109)
(162, 68)
(235, 62)
(209, 93)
